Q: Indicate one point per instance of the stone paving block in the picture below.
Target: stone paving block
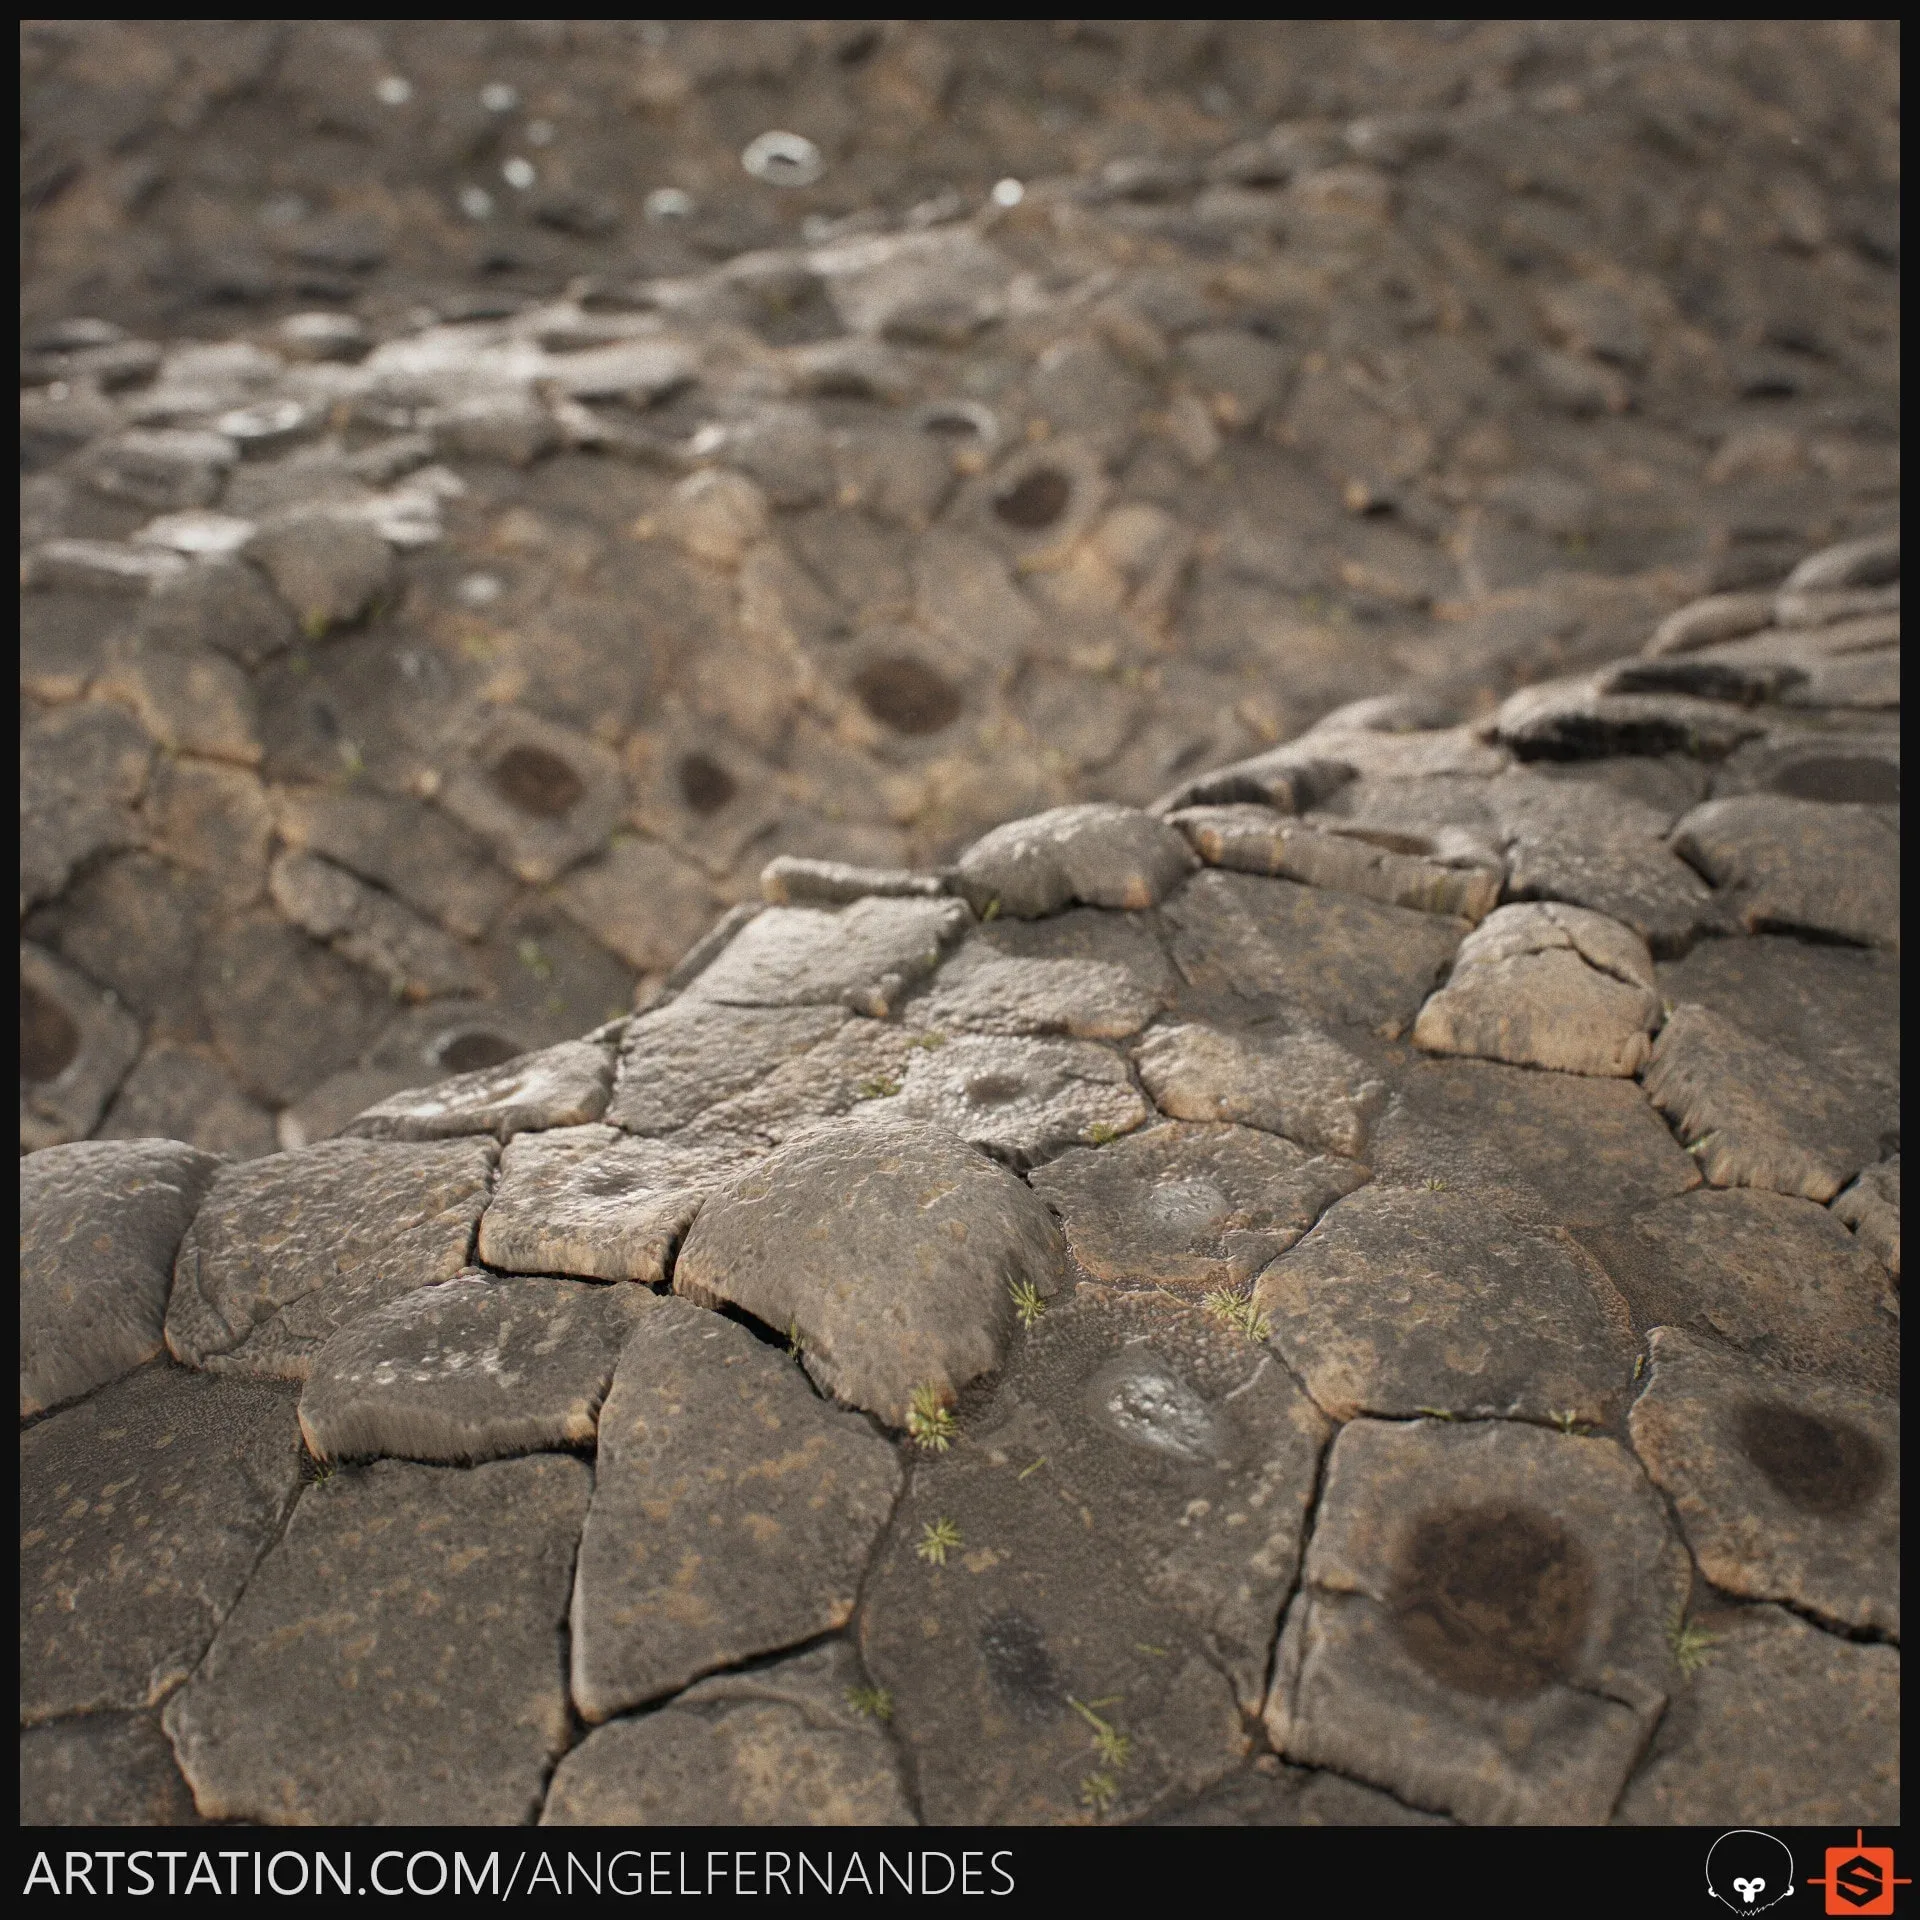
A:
(781, 1746)
(733, 1512)
(328, 568)
(690, 1055)
(100, 1224)
(179, 1093)
(399, 1658)
(286, 1251)
(1871, 1207)
(1333, 957)
(106, 1770)
(470, 1369)
(1298, 1083)
(593, 1202)
(76, 1045)
(1778, 1278)
(190, 699)
(1800, 864)
(409, 954)
(1546, 985)
(1482, 1624)
(888, 1248)
(1097, 854)
(980, 990)
(1294, 1797)
(1787, 1489)
(1782, 1724)
(865, 957)
(1402, 1302)
(143, 1511)
(1086, 1640)
(1190, 1206)
(1576, 719)
(1751, 1112)
(563, 1086)
(862, 1060)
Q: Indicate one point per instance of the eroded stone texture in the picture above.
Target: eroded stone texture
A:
(1300, 1083)
(590, 1201)
(1482, 1627)
(865, 957)
(860, 1061)
(733, 1512)
(1782, 1724)
(285, 1251)
(1780, 862)
(1294, 1797)
(1776, 1277)
(782, 1746)
(563, 1086)
(541, 796)
(100, 1224)
(1128, 1511)
(1871, 1207)
(1332, 956)
(410, 954)
(470, 1369)
(1750, 1111)
(888, 1248)
(106, 1770)
(398, 1659)
(982, 991)
(788, 881)
(143, 1511)
(76, 1045)
(1402, 1302)
(1098, 854)
(1547, 986)
(691, 1055)
(1190, 1206)
(1787, 1488)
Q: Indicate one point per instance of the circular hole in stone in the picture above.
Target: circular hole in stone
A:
(537, 782)
(994, 1089)
(1492, 1600)
(1841, 778)
(705, 785)
(1820, 1466)
(1036, 500)
(468, 1052)
(907, 696)
(49, 1039)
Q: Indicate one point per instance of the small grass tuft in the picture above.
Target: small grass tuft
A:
(1026, 1301)
(1435, 1184)
(1101, 1787)
(871, 1703)
(1100, 1134)
(1232, 1308)
(928, 1042)
(930, 1419)
(992, 910)
(1568, 1420)
(937, 1539)
(881, 1087)
(796, 1345)
(1690, 1643)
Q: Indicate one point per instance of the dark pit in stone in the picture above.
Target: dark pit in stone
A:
(1492, 1600)
(1022, 1670)
(907, 696)
(48, 1037)
(1841, 778)
(537, 782)
(470, 1051)
(994, 1089)
(705, 785)
(1036, 500)
(1820, 1466)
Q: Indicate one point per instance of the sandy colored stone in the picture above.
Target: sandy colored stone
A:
(328, 568)
(1871, 1207)
(76, 1045)
(191, 700)
(563, 1086)
(691, 1055)
(982, 991)
(1095, 853)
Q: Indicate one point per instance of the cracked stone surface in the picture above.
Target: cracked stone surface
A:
(690, 1056)
(1871, 1207)
(1788, 1489)
(733, 1512)
(982, 991)
(563, 1086)
(105, 1770)
(399, 1658)
(1481, 1627)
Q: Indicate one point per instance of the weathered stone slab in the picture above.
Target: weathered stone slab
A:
(285, 1251)
(1301, 1084)
(100, 1223)
(1752, 1113)
(1482, 1627)
(563, 1086)
(1871, 1207)
(1401, 871)
(106, 1770)
(862, 1060)
(1776, 1277)
(865, 957)
(982, 991)
(590, 1201)
(1190, 1206)
(1021, 1100)
(1787, 1489)
(1577, 719)
(733, 1512)
(1096, 853)
(1402, 1302)
(1128, 1511)
(782, 1746)
(1546, 985)
(76, 1045)
(692, 1055)
(1293, 1797)
(398, 1659)
(142, 1513)
(410, 954)
(1782, 1725)
(888, 1248)
(1336, 958)
(1780, 862)
(471, 1369)
(1132, 941)
(788, 881)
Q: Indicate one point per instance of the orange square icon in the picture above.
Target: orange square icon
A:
(1859, 1879)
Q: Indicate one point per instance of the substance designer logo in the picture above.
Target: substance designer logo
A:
(1859, 1878)
(1748, 1871)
